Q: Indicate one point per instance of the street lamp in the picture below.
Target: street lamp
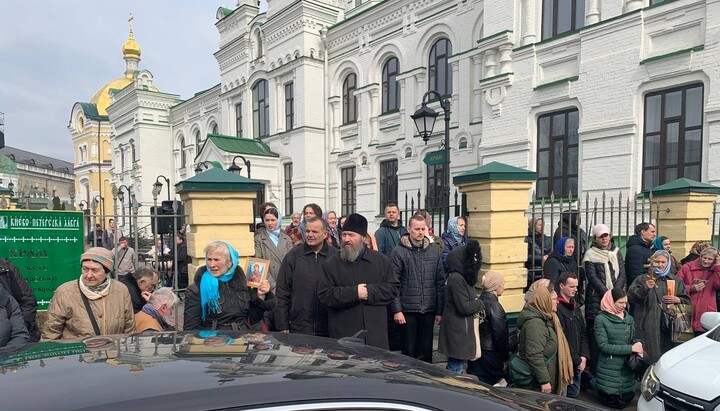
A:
(236, 169)
(157, 186)
(424, 120)
(202, 166)
(83, 205)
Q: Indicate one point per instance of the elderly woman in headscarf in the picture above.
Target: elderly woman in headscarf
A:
(561, 260)
(647, 292)
(541, 283)
(543, 345)
(492, 365)
(663, 243)
(695, 251)
(219, 299)
(615, 335)
(702, 280)
(271, 243)
(453, 237)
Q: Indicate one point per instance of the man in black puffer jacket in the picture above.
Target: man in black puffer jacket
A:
(15, 284)
(638, 251)
(422, 290)
(573, 326)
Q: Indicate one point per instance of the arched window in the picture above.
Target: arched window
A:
(214, 129)
(183, 156)
(390, 85)
(132, 151)
(349, 99)
(122, 159)
(258, 45)
(261, 109)
(440, 78)
(198, 141)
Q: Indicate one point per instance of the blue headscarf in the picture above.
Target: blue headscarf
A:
(209, 285)
(560, 245)
(656, 270)
(453, 230)
(658, 243)
(274, 234)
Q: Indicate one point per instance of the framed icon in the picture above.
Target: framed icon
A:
(256, 270)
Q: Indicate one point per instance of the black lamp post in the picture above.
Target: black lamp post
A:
(236, 169)
(157, 186)
(424, 120)
(202, 166)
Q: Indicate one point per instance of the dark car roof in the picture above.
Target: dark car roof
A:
(231, 370)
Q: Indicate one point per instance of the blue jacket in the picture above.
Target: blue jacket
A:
(387, 237)
(12, 325)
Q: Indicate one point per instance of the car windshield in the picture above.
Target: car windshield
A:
(714, 334)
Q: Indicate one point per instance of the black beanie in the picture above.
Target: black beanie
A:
(356, 223)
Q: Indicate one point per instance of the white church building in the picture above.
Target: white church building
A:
(317, 95)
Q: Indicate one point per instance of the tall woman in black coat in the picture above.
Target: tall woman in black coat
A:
(561, 260)
(492, 365)
(604, 270)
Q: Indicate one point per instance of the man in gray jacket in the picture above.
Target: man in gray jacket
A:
(422, 290)
(125, 257)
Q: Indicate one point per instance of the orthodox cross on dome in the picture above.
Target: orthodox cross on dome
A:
(130, 20)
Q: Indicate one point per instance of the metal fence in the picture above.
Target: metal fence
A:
(716, 225)
(439, 215)
(574, 217)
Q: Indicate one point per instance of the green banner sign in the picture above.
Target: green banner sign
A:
(434, 158)
(45, 246)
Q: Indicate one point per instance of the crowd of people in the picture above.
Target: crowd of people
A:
(587, 307)
(622, 312)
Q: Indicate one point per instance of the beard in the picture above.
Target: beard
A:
(351, 253)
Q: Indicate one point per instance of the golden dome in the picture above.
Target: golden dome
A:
(102, 97)
(131, 48)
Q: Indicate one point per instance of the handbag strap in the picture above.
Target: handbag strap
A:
(89, 311)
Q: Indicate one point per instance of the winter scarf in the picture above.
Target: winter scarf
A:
(152, 312)
(657, 271)
(608, 305)
(210, 286)
(275, 234)
(607, 257)
(96, 292)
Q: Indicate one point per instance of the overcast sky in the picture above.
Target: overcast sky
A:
(54, 53)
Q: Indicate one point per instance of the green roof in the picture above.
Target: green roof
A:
(495, 171)
(8, 166)
(682, 186)
(5, 190)
(91, 112)
(239, 145)
(217, 179)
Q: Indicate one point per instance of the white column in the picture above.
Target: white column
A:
(476, 115)
(280, 105)
(455, 67)
(490, 63)
(592, 12)
(374, 104)
(505, 58)
(631, 5)
(529, 23)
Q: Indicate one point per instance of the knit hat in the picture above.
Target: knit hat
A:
(599, 230)
(100, 255)
(356, 223)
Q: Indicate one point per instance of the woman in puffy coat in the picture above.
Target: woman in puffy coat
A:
(459, 330)
(561, 260)
(543, 345)
(604, 270)
(219, 299)
(492, 365)
(615, 333)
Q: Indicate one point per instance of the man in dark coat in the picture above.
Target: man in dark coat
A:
(638, 250)
(299, 309)
(357, 285)
(15, 284)
(140, 285)
(573, 326)
(390, 231)
(422, 290)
